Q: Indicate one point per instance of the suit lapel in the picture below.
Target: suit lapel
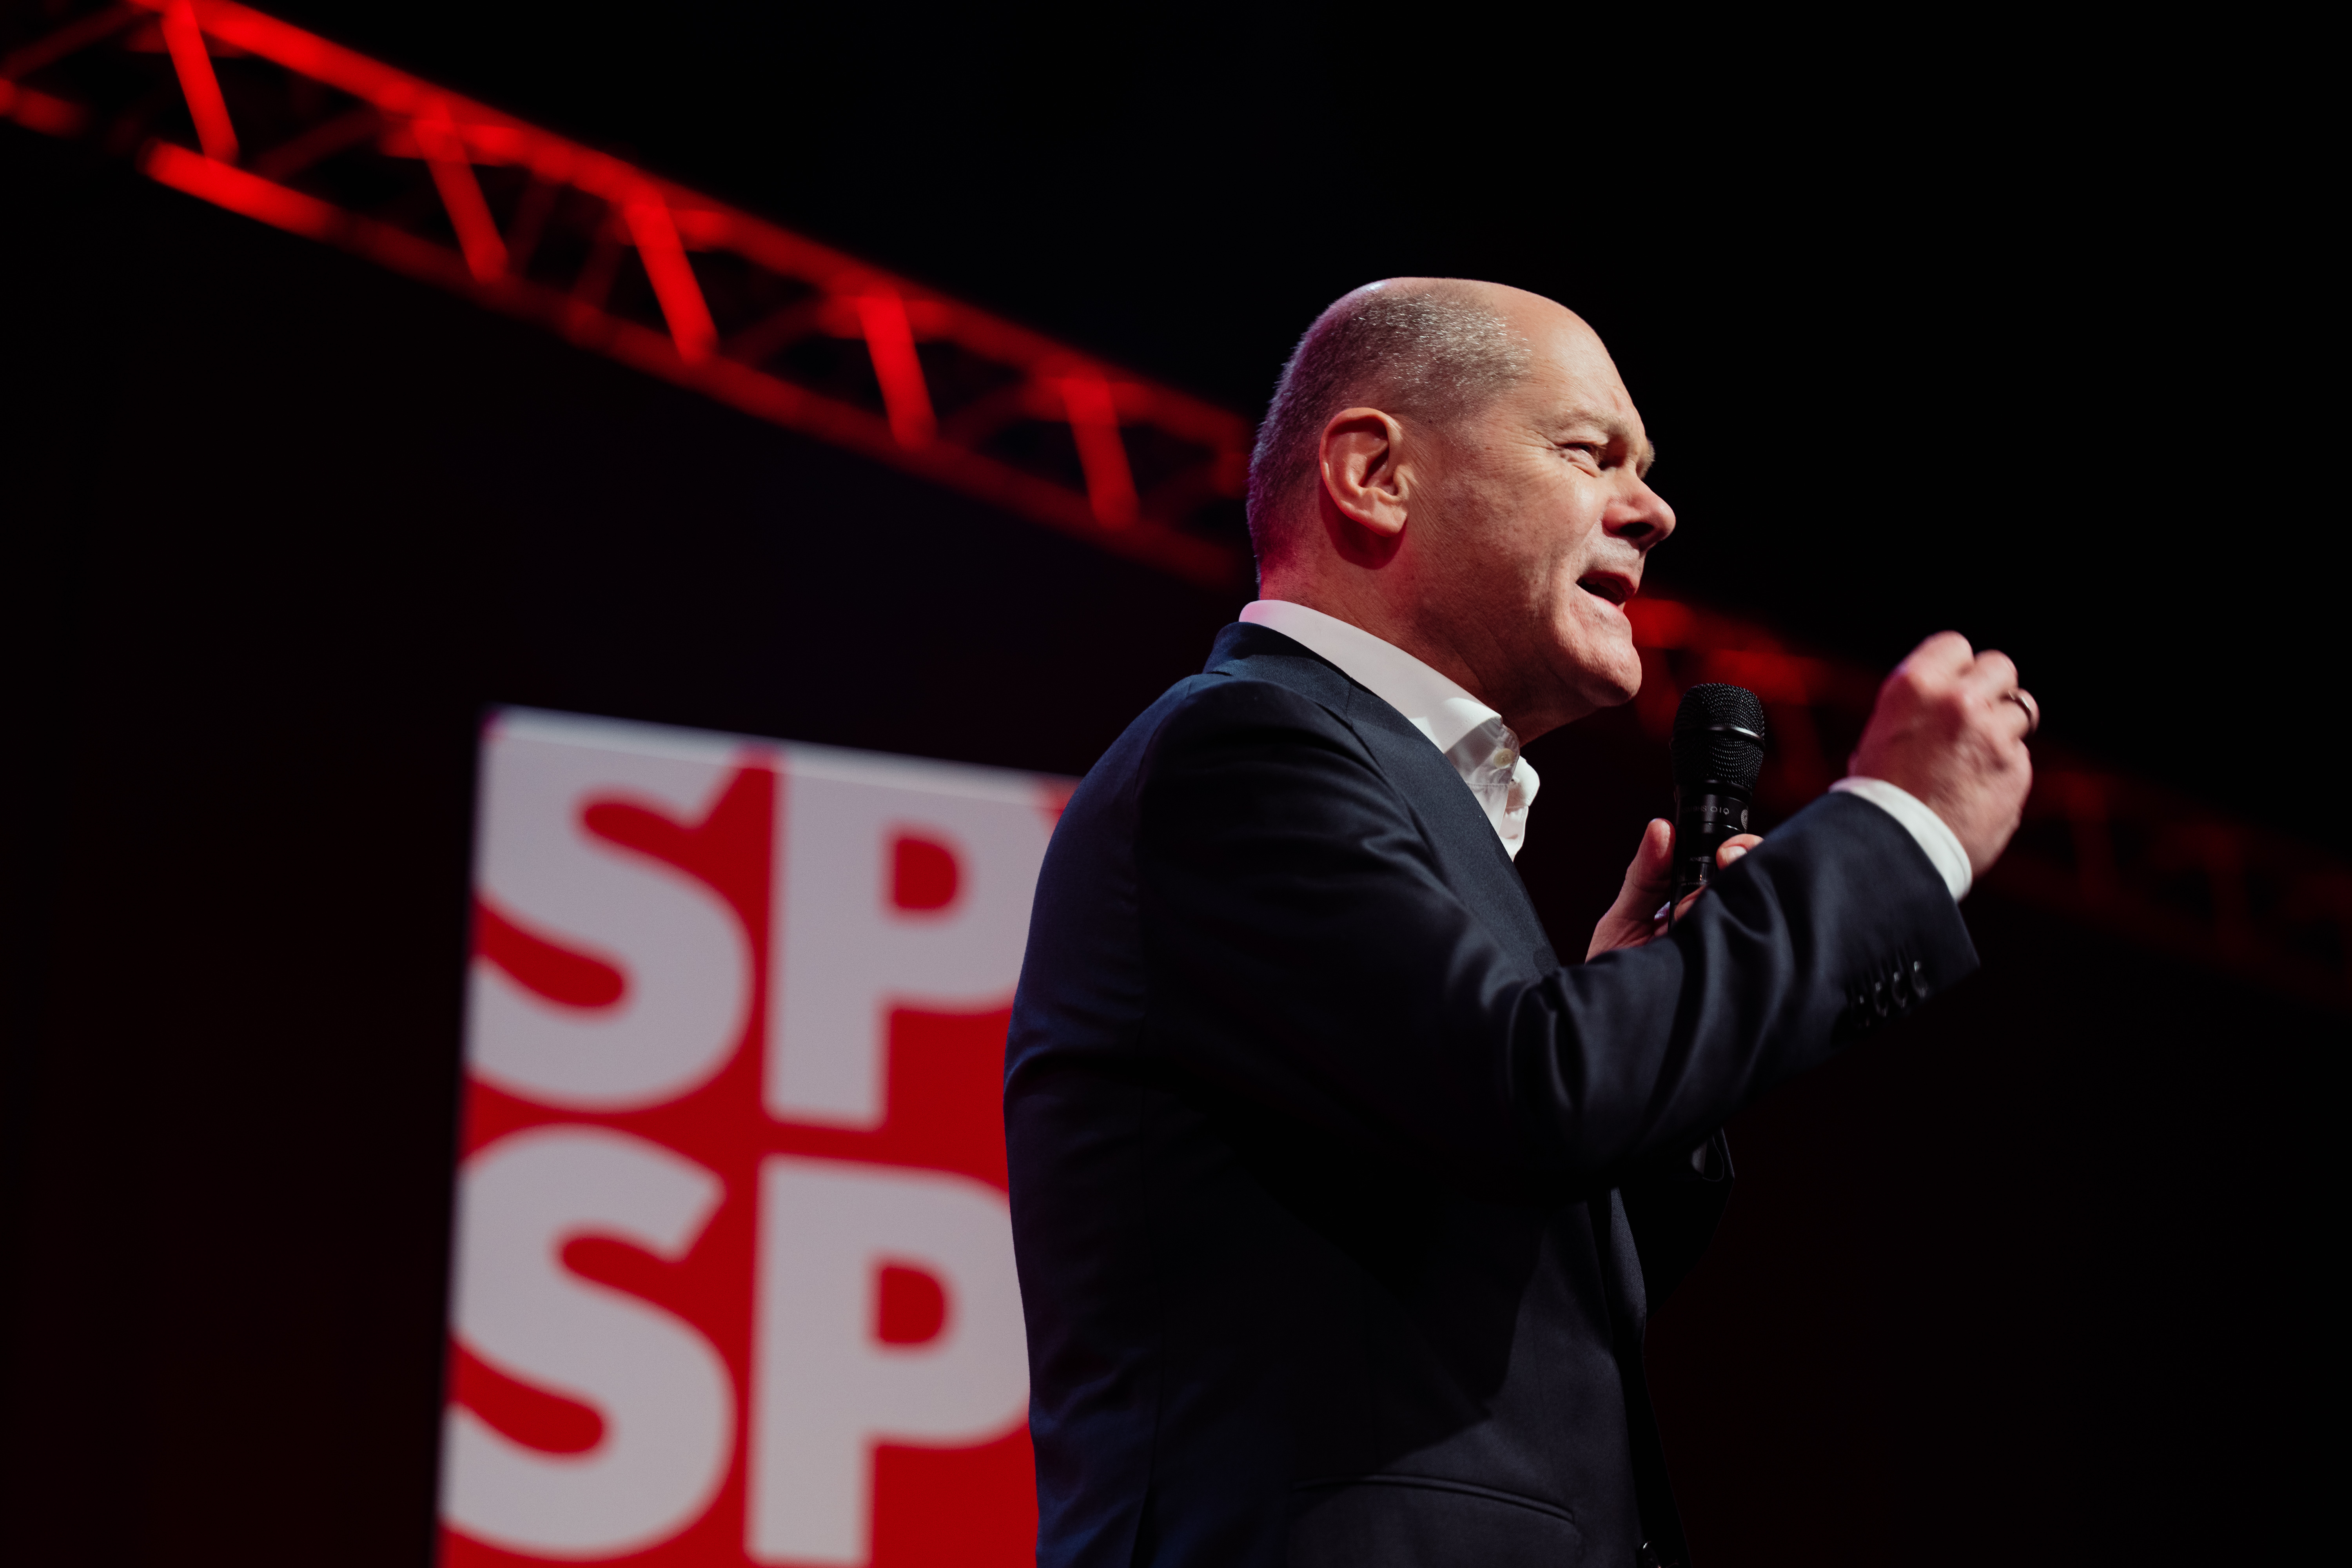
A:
(1472, 857)
(1475, 863)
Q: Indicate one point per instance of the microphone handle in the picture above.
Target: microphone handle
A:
(1704, 817)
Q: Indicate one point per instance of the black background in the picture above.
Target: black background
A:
(2030, 1280)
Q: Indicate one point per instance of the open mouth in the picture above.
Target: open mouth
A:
(1616, 590)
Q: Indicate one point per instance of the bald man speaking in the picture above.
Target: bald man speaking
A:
(1340, 1201)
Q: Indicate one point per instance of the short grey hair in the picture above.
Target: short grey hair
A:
(1424, 352)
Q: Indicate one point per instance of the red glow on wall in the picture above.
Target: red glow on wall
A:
(38, 111)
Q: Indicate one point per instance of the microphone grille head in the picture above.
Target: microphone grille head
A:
(1718, 738)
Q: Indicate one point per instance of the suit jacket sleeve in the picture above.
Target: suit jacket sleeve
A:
(1305, 953)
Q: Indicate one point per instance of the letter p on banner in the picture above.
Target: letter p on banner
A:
(826, 1388)
(734, 1277)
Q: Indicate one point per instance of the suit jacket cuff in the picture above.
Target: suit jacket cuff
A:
(1934, 835)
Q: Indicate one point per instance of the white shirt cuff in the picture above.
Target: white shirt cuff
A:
(1934, 834)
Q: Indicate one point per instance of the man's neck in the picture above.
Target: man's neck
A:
(1447, 642)
(1374, 614)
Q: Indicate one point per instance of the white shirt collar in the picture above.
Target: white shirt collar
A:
(1473, 736)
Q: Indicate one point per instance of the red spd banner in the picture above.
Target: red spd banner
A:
(734, 1274)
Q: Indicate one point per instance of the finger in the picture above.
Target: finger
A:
(1944, 653)
(1733, 847)
(2016, 713)
(1653, 858)
(1648, 879)
(1990, 676)
(1729, 850)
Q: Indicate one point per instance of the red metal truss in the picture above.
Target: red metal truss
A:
(261, 118)
(245, 112)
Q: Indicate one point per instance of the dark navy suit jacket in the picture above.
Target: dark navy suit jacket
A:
(1340, 1202)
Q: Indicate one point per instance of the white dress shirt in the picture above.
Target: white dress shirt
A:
(1473, 736)
(1485, 753)
(1934, 834)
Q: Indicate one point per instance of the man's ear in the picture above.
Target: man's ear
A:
(1363, 470)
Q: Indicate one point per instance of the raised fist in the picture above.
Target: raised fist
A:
(1950, 726)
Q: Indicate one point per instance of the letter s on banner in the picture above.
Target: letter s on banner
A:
(684, 957)
(849, 953)
(825, 1388)
(663, 1390)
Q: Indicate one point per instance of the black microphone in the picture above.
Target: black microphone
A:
(1718, 748)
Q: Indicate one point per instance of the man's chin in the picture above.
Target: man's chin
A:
(1614, 693)
(1594, 667)
(1610, 669)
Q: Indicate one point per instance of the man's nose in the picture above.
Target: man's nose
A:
(1640, 516)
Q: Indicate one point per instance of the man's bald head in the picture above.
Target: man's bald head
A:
(1425, 350)
(1457, 468)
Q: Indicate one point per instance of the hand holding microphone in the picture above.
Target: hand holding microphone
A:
(1718, 749)
(1637, 917)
